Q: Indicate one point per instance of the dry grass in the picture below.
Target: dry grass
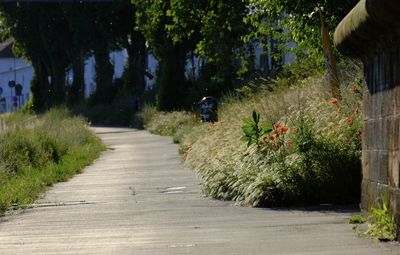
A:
(324, 156)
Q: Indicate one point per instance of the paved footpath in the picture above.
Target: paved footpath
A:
(138, 199)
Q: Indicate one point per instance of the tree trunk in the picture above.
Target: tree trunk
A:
(172, 78)
(77, 91)
(57, 84)
(40, 88)
(134, 81)
(330, 60)
(139, 68)
(104, 76)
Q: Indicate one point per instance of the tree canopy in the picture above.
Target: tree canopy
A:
(59, 36)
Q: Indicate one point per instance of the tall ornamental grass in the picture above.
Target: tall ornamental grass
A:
(311, 154)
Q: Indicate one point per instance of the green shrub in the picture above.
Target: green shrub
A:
(120, 112)
(175, 124)
(147, 114)
(21, 148)
(28, 107)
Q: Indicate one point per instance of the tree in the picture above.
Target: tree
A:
(131, 39)
(21, 23)
(80, 21)
(44, 37)
(214, 30)
(52, 20)
(58, 36)
(221, 40)
(297, 20)
(102, 41)
(114, 29)
(152, 20)
(175, 28)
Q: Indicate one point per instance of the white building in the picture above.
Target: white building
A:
(13, 69)
(21, 71)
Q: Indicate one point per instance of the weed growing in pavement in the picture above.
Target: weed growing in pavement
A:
(357, 219)
(381, 222)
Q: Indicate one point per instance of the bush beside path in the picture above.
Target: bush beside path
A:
(36, 152)
(289, 143)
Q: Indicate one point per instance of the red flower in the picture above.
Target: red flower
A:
(350, 121)
(334, 101)
(284, 129)
(277, 125)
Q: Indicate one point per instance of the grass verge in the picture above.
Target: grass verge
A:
(52, 148)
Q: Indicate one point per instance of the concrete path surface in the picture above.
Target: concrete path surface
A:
(138, 199)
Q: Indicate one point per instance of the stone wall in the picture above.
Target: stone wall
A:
(371, 33)
(381, 140)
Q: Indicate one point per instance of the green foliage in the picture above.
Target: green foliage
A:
(120, 111)
(40, 152)
(382, 224)
(299, 23)
(58, 36)
(147, 114)
(171, 79)
(175, 124)
(152, 21)
(357, 219)
(28, 107)
(29, 148)
(252, 131)
(221, 30)
(176, 29)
